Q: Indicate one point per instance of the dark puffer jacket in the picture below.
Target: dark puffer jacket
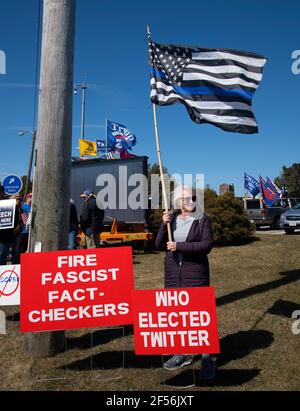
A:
(194, 271)
(91, 218)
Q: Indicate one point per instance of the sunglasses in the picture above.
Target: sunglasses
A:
(189, 199)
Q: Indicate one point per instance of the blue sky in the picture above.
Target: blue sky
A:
(111, 54)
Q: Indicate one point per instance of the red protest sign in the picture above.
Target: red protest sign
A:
(175, 321)
(76, 289)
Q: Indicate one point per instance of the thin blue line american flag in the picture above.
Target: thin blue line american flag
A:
(215, 85)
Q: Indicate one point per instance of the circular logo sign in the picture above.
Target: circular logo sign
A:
(9, 283)
(12, 185)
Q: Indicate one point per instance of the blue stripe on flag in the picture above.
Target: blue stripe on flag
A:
(157, 73)
(212, 91)
(183, 91)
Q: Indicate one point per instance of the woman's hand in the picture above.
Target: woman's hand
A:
(171, 246)
(166, 217)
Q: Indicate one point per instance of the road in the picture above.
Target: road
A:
(267, 230)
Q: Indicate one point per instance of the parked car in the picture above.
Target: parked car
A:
(290, 220)
(279, 207)
(257, 211)
(261, 215)
(286, 202)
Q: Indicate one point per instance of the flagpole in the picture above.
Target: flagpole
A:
(79, 149)
(161, 170)
(160, 160)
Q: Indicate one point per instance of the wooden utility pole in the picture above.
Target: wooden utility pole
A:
(51, 193)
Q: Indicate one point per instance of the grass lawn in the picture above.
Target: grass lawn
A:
(257, 288)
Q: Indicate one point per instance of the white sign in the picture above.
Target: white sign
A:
(7, 214)
(10, 284)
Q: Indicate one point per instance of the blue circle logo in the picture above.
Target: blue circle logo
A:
(12, 185)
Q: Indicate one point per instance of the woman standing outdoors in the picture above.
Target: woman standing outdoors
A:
(186, 262)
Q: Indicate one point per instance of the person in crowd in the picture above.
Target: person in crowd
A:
(186, 261)
(7, 235)
(2, 193)
(73, 226)
(17, 229)
(91, 219)
(22, 243)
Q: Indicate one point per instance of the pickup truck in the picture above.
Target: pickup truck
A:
(261, 215)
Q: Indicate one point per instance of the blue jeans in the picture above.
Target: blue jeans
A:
(4, 249)
(72, 240)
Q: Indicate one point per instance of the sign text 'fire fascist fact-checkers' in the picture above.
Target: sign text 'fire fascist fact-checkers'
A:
(76, 289)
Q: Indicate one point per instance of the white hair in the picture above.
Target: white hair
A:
(199, 203)
(177, 193)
